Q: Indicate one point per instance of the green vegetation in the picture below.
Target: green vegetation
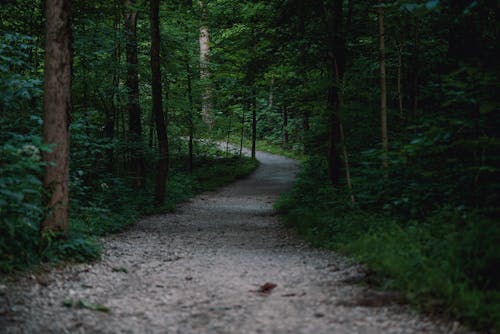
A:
(110, 207)
(392, 104)
(436, 261)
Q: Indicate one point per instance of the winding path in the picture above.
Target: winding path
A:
(201, 270)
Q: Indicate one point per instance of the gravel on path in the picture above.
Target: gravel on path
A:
(222, 263)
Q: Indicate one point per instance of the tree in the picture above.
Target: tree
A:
(204, 41)
(336, 67)
(56, 115)
(162, 172)
(383, 86)
(132, 83)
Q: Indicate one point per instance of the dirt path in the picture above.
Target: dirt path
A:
(198, 271)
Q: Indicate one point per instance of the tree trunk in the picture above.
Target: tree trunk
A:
(285, 126)
(270, 101)
(56, 115)
(400, 68)
(336, 67)
(242, 131)
(254, 121)
(162, 172)
(132, 83)
(191, 116)
(204, 41)
(416, 70)
(383, 89)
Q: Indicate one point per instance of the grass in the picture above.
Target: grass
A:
(446, 262)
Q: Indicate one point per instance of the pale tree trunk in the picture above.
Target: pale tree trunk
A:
(383, 89)
(56, 115)
(132, 83)
(204, 41)
(161, 129)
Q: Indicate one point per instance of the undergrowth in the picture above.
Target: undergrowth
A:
(110, 206)
(445, 262)
(268, 146)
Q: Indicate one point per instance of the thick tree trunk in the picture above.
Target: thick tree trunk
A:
(132, 83)
(56, 116)
(204, 41)
(383, 89)
(161, 130)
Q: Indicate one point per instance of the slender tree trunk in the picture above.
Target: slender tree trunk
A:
(285, 125)
(132, 83)
(190, 120)
(204, 41)
(242, 131)
(400, 68)
(56, 116)
(336, 56)
(109, 123)
(416, 69)
(346, 164)
(161, 130)
(270, 101)
(254, 121)
(383, 89)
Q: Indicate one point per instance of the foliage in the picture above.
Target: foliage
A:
(435, 261)
(435, 205)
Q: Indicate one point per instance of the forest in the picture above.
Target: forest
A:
(115, 110)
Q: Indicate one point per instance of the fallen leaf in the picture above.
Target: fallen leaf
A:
(266, 289)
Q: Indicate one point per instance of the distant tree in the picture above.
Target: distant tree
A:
(162, 172)
(383, 86)
(204, 41)
(336, 68)
(56, 116)
(132, 83)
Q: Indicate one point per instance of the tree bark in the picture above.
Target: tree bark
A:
(242, 131)
(204, 41)
(285, 126)
(161, 130)
(56, 115)
(336, 67)
(254, 121)
(191, 116)
(383, 87)
(132, 83)
(400, 70)
(416, 69)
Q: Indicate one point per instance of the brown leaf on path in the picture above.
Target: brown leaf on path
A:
(265, 289)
